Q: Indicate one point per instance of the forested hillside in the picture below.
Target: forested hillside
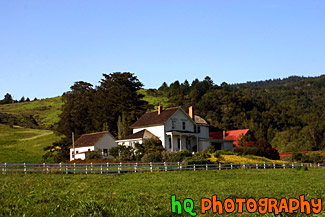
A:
(287, 113)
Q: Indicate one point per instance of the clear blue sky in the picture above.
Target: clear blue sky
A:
(45, 46)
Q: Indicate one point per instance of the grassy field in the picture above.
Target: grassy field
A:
(148, 194)
(45, 111)
(20, 145)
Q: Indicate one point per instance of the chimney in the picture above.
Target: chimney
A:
(191, 112)
(159, 109)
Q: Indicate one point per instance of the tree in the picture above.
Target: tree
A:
(76, 113)
(8, 99)
(22, 99)
(117, 95)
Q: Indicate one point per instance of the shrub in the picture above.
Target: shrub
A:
(268, 152)
(226, 152)
(167, 156)
(315, 157)
(93, 155)
(303, 168)
(179, 156)
(210, 149)
(152, 157)
(197, 158)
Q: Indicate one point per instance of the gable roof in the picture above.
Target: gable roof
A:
(200, 121)
(152, 118)
(89, 139)
(229, 135)
(143, 134)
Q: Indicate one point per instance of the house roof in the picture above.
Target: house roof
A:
(89, 139)
(200, 121)
(229, 135)
(152, 118)
(143, 134)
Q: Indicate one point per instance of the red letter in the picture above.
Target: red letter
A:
(291, 207)
(263, 203)
(240, 202)
(252, 207)
(273, 205)
(283, 205)
(318, 205)
(304, 203)
(203, 207)
(216, 203)
(226, 204)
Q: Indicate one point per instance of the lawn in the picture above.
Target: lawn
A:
(148, 194)
(24, 145)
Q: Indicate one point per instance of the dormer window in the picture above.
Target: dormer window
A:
(184, 125)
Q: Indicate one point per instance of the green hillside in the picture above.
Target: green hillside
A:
(44, 112)
(20, 145)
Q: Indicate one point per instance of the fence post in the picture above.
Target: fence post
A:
(74, 168)
(91, 167)
(5, 168)
(135, 167)
(150, 166)
(273, 165)
(256, 165)
(119, 167)
(165, 166)
(244, 166)
(25, 169)
(66, 170)
(318, 164)
(44, 167)
(219, 166)
(206, 166)
(311, 165)
(60, 166)
(107, 166)
(86, 169)
(284, 165)
(101, 169)
(302, 164)
(293, 165)
(231, 166)
(264, 165)
(47, 168)
(194, 167)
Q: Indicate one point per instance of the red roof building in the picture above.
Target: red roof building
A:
(229, 135)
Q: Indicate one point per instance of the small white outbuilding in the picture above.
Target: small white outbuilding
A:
(100, 141)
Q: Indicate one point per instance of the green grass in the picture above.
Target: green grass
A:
(148, 194)
(46, 112)
(23, 145)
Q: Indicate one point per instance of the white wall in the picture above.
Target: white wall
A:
(158, 131)
(129, 142)
(180, 117)
(204, 132)
(106, 142)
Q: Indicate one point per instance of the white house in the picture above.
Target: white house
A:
(101, 141)
(176, 129)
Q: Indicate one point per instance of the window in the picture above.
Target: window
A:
(184, 125)
(173, 125)
(199, 129)
(88, 149)
(77, 152)
(170, 143)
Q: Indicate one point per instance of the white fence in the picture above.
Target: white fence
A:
(117, 168)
